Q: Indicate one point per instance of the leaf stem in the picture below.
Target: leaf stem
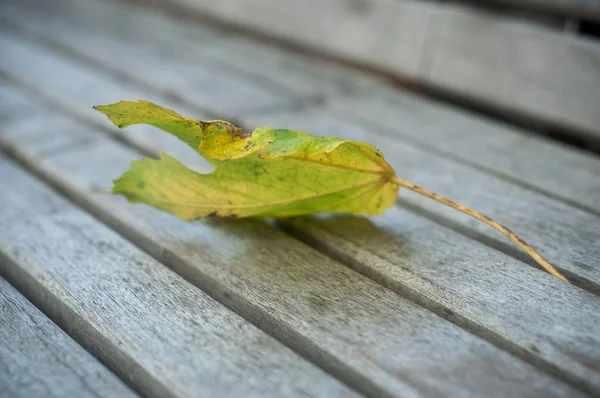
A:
(485, 219)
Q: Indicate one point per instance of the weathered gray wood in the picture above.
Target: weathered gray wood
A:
(161, 334)
(584, 9)
(516, 66)
(581, 265)
(377, 32)
(497, 60)
(38, 359)
(530, 339)
(210, 86)
(109, 24)
(79, 92)
(383, 344)
(348, 129)
(522, 158)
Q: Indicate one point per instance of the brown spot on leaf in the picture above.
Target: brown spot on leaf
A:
(213, 214)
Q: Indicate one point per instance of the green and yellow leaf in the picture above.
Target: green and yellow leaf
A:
(268, 173)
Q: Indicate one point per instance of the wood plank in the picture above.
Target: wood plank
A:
(38, 359)
(541, 219)
(109, 24)
(516, 66)
(584, 9)
(158, 332)
(369, 30)
(355, 328)
(210, 85)
(547, 75)
(83, 89)
(516, 155)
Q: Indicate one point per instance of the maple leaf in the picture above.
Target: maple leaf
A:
(269, 172)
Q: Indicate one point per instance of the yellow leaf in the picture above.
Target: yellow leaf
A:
(268, 173)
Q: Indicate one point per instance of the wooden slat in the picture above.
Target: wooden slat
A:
(584, 9)
(538, 218)
(38, 359)
(514, 66)
(362, 332)
(88, 22)
(523, 346)
(368, 30)
(108, 24)
(158, 332)
(209, 84)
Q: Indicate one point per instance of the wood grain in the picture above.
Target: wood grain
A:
(38, 359)
(111, 24)
(444, 129)
(158, 332)
(355, 328)
(370, 30)
(210, 85)
(519, 347)
(516, 66)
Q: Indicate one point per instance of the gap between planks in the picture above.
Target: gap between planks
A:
(297, 342)
(38, 359)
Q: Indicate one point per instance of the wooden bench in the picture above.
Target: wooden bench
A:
(114, 299)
